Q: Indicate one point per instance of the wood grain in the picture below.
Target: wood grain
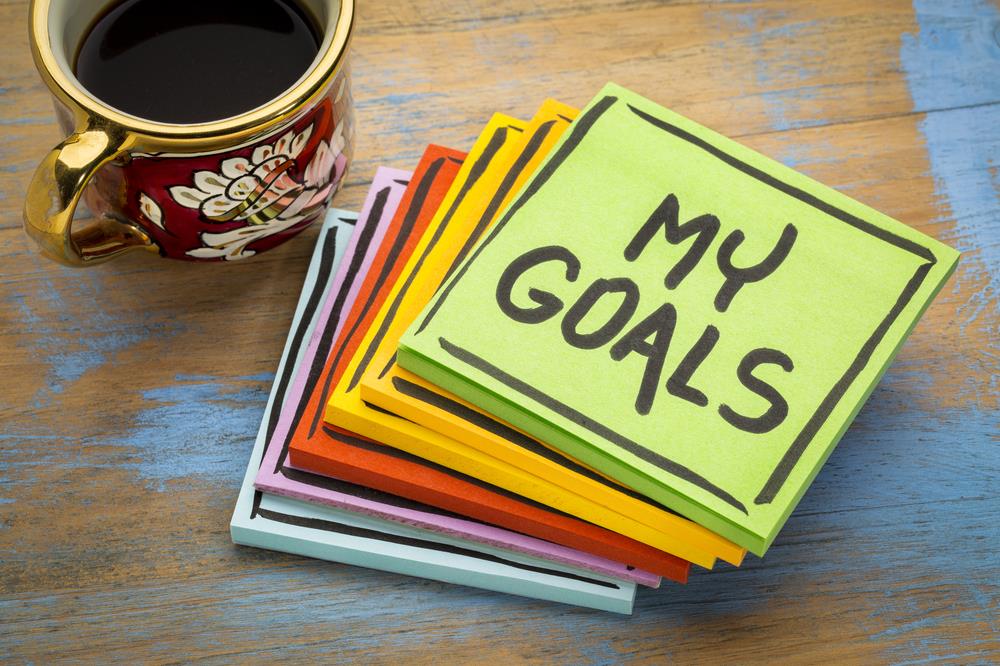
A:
(132, 391)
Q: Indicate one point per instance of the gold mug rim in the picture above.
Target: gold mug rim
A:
(149, 134)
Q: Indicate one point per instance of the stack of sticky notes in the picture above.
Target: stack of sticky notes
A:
(601, 346)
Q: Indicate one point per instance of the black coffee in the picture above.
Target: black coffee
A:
(188, 61)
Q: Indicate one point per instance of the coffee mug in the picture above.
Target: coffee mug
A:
(212, 191)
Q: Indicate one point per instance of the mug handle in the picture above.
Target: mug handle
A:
(55, 191)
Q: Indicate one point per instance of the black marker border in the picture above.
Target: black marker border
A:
(497, 141)
(417, 202)
(414, 542)
(780, 474)
(492, 208)
(323, 275)
(511, 436)
(327, 256)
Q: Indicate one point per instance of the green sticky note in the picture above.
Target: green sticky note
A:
(683, 314)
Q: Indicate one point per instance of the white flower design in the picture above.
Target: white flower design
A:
(262, 192)
(151, 209)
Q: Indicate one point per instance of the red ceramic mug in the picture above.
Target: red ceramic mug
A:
(219, 190)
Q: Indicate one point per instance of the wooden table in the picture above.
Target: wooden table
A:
(131, 392)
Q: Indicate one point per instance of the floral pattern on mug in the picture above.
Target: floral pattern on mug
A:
(269, 192)
(151, 210)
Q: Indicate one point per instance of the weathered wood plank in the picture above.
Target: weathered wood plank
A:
(783, 609)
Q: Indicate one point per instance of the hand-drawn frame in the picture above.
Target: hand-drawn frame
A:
(792, 455)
